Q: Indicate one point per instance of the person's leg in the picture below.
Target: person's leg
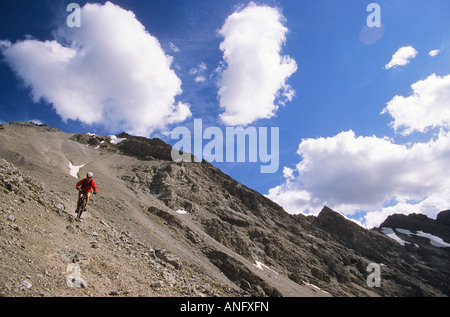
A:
(80, 195)
(88, 195)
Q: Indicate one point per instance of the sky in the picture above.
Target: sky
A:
(347, 101)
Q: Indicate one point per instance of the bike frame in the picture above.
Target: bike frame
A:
(81, 205)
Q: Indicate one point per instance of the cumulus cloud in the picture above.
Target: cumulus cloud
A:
(402, 57)
(430, 207)
(253, 81)
(376, 175)
(350, 173)
(110, 71)
(427, 107)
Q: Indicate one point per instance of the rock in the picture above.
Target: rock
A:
(9, 217)
(152, 253)
(236, 271)
(71, 228)
(169, 278)
(27, 284)
(76, 282)
(59, 206)
(157, 284)
(169, 257)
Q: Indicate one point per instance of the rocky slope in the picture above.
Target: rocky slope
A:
(160, 228)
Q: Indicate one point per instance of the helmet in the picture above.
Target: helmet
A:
(90, 175)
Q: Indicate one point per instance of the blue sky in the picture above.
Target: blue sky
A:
(335, 148)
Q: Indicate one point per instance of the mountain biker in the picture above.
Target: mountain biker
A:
(85, 186)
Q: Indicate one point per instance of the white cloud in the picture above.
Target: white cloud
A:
(199, 73)
(430, 207)
(174, 48)
(288, 173)
(253, 83)
(293, 199)
(200, 79)
(110, 71)
(376, 175)
(402, 57)
(37, 121)
(433, 53)
(201, 68)
(428, 106)
(350, 173)
(4, 44)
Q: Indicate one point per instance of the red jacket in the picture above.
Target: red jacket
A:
(87, 185)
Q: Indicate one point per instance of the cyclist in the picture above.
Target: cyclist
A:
(86, 186)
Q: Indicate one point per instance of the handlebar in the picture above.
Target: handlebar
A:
(80, 190)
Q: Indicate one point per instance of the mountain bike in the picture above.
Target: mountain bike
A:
(81, 205)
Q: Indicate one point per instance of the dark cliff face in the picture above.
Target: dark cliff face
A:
(206, 226)
(144, 148)
(426, 239)
(369, 243)
(418, 222)
(444, 218)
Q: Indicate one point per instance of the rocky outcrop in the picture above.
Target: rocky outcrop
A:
(444, 218)
(143, 148)
(241, 275)
(418, 222)
(428, 241)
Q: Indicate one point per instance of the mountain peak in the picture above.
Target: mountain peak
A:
(327, 212)
(334, 222)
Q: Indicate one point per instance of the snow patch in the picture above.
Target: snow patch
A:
(262, 266)
(316, 287)
(74, 170)
(115, 140)
(391, 234)
(436, 241)
(181, 212)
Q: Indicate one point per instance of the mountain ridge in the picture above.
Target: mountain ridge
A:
(416, 222)
(181, 229)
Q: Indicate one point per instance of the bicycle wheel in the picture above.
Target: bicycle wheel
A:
(80, 208)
